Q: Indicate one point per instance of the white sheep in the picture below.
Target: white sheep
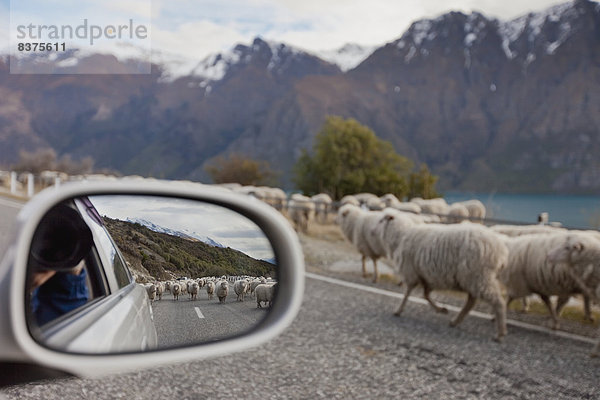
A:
(175, 290)
(255, 283)
(457, 213)
(301, 210)
(407, 207)
(265, 293)
(352, 221)
(240, 287)
(323, 204)
(465, 257)
(160, 289)
(432, 206)
(349, 199)
(530, 270)
(577, 251)
(210, 289)
(476, 209)
(521, 230)
(151, 290)
(193, 289)
(222, 289)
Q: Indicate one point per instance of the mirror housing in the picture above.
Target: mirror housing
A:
(18, 343)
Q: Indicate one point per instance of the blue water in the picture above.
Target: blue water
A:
(570, 211)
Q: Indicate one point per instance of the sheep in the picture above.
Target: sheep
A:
(265, 293)
(151, 290)
(407, 207)
(457, 213)
(432, 206)
(210, 289)
(464, 257)
(322, 203)
(168, 286)
(375, 204)
(176, 290)
(301, 211)
(364, 198)
(352, 221)
(189, 285)
(580, 252)
(255, 283)
(193, 289)
(240, 287)
(530, 270)
(390, 200)
(476, 209)
(222, 289)
(349, 199)
(520, 230)
(160, 289)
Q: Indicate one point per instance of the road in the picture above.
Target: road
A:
(194, 321)
(346, 344)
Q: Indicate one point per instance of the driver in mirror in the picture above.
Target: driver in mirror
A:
(57, 273)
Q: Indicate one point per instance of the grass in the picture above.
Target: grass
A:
(569, 312)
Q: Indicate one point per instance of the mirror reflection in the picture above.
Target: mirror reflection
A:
(110, 274)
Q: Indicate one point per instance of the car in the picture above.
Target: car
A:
(113, 313)
(112, 332)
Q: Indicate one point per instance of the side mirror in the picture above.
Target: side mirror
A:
(109, 277)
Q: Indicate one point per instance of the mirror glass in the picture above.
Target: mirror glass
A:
(116, 273)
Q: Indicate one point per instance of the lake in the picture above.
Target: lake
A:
(570, 211)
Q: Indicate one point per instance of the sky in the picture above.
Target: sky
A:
(197, 28)
(191, 217)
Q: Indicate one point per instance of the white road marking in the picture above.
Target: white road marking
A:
(200, 315)
(477, 314)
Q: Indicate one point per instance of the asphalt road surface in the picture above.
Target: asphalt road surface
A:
(186, 321)
(346, 344)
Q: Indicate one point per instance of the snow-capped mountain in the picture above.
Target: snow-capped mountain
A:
(347, 56)
(185, 234)
(460, 92)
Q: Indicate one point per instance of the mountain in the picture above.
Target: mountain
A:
(161, 255)
(194, 236)
(487, 104)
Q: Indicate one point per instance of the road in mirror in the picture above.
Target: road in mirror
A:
(115, 273)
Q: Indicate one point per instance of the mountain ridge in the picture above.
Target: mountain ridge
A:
(487, 104)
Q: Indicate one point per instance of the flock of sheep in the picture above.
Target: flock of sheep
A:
(497, 264)
(261, 288)
(442, 246)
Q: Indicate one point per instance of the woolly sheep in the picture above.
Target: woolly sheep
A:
(265, 293)
(520, 230)
(575, 253)
(210, 289)
(301, 210)
(151, 290)
(240, 287)
(457, 213)
(222, 288)
(176, 290)
(349, 199)
(432, 206)
(193, 289)
(530, 269)
(407, 207)
(476, 209)
(353, 221)
(160, 289)
(322, 203)
(464, 257)
(255, 283)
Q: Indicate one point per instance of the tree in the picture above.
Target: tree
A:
(348, 158)
(241, 169)
(422, 184)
